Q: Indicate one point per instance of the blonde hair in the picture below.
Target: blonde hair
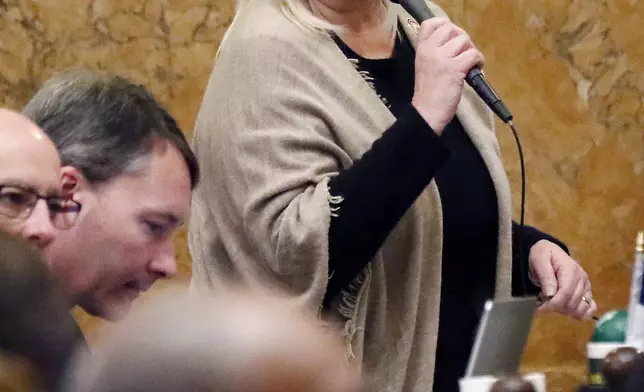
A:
(298, 12)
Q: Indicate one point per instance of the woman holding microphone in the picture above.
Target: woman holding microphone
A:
(347, 163)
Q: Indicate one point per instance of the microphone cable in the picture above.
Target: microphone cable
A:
(419, 10)
(524, 285)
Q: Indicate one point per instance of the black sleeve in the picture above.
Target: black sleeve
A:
(376, 191)
(520, 266)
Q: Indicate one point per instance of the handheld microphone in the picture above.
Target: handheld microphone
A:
(418, 10)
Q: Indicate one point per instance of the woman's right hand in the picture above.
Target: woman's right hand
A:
(444, 55)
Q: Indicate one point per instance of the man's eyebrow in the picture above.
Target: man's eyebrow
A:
(21, 184)
(15, 183)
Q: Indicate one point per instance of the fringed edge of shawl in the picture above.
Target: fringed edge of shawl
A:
(349, 296)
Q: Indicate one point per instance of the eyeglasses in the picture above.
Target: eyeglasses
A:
(19, 203)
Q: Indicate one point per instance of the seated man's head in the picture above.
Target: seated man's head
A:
(128, 165)
(29, 180)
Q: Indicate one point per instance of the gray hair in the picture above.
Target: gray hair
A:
(104, 125)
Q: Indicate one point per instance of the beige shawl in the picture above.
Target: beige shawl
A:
(283, 111)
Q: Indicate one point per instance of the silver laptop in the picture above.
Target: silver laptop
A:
(501, 337)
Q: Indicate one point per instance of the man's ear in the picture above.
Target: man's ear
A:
(72, 180)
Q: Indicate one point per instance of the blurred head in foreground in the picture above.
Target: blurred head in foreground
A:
(234, 343)
(635, 382)
(36, 331)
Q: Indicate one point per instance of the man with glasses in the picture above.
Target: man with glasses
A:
(128, 165)
(37, 327)
(31, 205)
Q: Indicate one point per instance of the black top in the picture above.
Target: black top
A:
(378, 188)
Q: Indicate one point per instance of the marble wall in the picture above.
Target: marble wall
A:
(570, 70)
(572, 73)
